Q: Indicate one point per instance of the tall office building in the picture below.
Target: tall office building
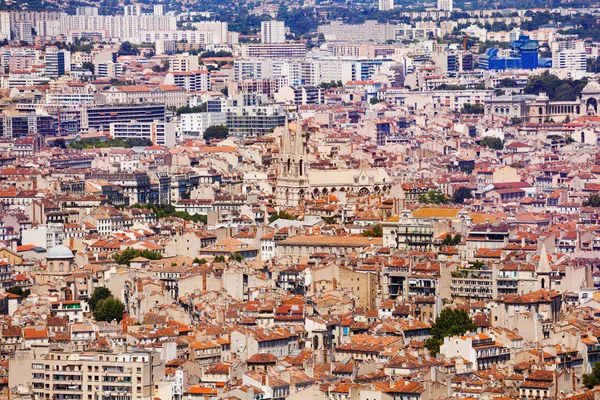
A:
(132, 10)
(55, 62)
(445, 5)
(386, 5)
(272, 31)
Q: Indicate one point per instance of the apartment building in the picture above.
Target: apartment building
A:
(169, 95)
(77, 375)
(191, 81)
(184, 63)
(481, 349)
(160, 133)
(274, 50)
(272, 31)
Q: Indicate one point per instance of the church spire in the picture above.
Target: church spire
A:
(544, 264)
(285, 138)
(299, 140)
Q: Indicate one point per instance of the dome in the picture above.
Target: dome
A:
(592, 87)
(59, 252)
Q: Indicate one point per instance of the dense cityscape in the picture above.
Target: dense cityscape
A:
(304, 199)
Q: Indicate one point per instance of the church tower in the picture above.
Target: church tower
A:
(292, 177)
(543, 270)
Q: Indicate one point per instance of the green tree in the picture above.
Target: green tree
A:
(89, 66)
(109, 309)
(557, 89)
(476, 108)
(219, 259)
(200, 261)
(592, 201)
(216, 132)
(433, 197)
(128, 49)
(452, 241)
(592, 379)
(191, 110)
(375, 231)
(450, 322)
(236, 257)
(125, 257)
(461, 194)
(19, 291)
(493, 143)
(100, 293)
(281, 215)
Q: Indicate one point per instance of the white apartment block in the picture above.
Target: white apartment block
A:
(219, 31)
(274, 50)
(4, 25)
(445, 5)
(184, 63)
(272, 31)
(69, 99)
(193, 81)
(570, 59)
(192, 37)
(132, 10)
(160, 133)
(194, 124)
(386, 5)
(118, 26)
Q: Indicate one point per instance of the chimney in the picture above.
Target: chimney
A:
(124, 321)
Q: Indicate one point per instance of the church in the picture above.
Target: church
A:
(296, 182)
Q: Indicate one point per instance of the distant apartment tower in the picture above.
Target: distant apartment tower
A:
(4, 25)
(159, 10)
(132, 10)
(87, 10)
(55, 62)
(184, 63)
(23, 32)
(569, 53)
(386, 5)
(272, 32)
(445, 5)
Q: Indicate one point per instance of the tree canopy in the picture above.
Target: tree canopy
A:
(493, 143)
(216, 132)
(592, 201)
(433, 197)
(19, 291)
(281, 215)
(168, 210)
(449, 240)
(191, 110)
(113, 142)
(374, 231)
(557, 89)
(100, 293)
(461, 194)
(476, 108)
(450, 322)
(109, 309)
(125, 257)
(592, 379)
